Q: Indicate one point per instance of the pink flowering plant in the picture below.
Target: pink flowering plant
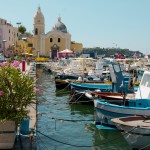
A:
(16, 92)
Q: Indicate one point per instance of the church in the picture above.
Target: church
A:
(56, 40)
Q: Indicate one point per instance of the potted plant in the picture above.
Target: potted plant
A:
(16, 93)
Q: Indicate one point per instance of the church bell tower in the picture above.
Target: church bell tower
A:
(39, 23)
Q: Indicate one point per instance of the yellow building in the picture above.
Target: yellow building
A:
(76, 47)
(56, 40)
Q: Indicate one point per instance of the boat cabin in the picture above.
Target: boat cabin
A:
(144, 87)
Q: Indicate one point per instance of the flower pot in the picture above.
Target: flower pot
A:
(7, 134)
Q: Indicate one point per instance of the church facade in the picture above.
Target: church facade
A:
(58, 39)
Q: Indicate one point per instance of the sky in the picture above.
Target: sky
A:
(94, 23)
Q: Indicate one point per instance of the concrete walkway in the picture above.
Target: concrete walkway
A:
(29, 141)
(31, 69)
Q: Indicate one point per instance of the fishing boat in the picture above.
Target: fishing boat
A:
(63, 81)
(136, 130)
(92, 86)
(89, 96)
(114, 91)
(140, 105)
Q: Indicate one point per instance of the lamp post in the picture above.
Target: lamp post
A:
(18, 23)
(4, 48)
(38, 53)
(13, 49)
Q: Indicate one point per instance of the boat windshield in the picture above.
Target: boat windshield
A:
(145, 81)
(117, 68)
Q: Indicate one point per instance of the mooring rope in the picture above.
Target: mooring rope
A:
(145, 147)
(74, 145)
(76, 99)
(63, 89)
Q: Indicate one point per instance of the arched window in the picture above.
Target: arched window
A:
(58, 40)
(51, 39)
(36, 31)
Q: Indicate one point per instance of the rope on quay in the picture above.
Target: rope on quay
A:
(102, 143)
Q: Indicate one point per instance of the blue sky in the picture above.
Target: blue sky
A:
(95, 23)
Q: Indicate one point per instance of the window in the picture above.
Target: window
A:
(51, 39)
(30, 45)
(9, 30)
(58, 39)
(0, 45)
(36, 31)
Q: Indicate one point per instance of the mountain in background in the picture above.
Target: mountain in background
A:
(109, 52)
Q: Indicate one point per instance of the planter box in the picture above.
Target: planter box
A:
(7, 134)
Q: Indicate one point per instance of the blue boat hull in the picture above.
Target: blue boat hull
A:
(106, 111)
(86, 86)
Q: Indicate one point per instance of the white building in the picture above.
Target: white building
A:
(8, 38)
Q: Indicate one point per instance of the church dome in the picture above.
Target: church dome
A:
(60, 26)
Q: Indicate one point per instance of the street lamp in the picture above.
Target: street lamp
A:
(38, 53)
(13, 49)
(18, 23)
(4, 48)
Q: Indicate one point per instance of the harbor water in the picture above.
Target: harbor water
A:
(64, 126)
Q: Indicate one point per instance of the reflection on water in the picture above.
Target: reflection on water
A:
(69, 124)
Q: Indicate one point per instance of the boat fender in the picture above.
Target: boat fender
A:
(84, 79)
(88, 95)
(79, 78)
(98, 90)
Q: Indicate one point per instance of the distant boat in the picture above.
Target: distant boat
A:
(136, 130)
